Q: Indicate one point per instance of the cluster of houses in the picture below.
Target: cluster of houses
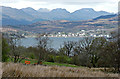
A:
(82, 33)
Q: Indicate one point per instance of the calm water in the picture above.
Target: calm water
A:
(56, 41)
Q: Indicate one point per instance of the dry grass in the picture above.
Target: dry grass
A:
(19, 70)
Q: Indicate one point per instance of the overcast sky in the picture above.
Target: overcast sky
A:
(70, 5)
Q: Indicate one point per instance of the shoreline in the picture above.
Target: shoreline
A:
(65, 37)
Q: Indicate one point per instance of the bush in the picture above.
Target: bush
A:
(50, 58)
(5, 50)
(32, 56)
(81, 60)
(62, 59)
(75, 60)
(59, 59)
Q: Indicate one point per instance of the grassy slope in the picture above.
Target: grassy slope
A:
(47, 63)
(20, 70)
(51, 63)
(51, 70)
(59, 64)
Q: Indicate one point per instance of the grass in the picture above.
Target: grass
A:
(51, 69)
(32, 61)
(59, 64)
(23, 61)
(109, 70)
(50, 63)
(20, 70)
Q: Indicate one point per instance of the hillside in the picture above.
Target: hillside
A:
(102, 22)
(29, 15)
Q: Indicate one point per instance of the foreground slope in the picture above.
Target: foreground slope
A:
(19, 70)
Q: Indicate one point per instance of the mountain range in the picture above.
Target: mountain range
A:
(24, 16)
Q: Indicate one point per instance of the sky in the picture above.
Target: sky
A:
(70, 5)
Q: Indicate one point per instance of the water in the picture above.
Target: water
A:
(56, 41)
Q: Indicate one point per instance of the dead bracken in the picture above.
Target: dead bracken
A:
(20, 70)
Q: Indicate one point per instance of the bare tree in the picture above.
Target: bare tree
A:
(69, 46)
(82, 50)
(15, 52)
(83, 45)
(43, 43)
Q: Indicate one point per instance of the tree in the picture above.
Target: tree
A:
(90, 50)
(15, 47)
(83, 46)
(105, 56)
(116, 49)
(69, 46)
(42, 46)
(82, 50)
(5, 50)
(61, 51)
(97, 48)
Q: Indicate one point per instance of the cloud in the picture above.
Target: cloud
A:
(70, 5)
(9, 1)
(61, 1)
(74, 2)
(82, 3)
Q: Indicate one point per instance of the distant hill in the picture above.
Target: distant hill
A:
(30, 11)
(105, 17)
(29, 15)
(13, 16)
(7, 20)
(106, 22)
(16, 14)
(87, 13)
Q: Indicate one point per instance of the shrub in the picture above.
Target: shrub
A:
(50, 58)
(75, 60)
(62, 59)
(32, 56)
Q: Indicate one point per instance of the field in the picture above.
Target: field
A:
(20, 70)
(32, 61)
